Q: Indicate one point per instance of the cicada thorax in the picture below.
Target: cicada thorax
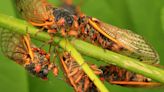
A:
(19, 49)
(75, 76)
(122, 41)
(119, 76)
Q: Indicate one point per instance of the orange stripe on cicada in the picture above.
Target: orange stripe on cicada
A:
(19, 49)
(41, 13)
(119, 76)
(122, 41)
(75, 76)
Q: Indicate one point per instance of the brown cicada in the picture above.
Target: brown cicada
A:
(110, 37)
(119, 76)
(43, 14)
(75, 76)
(107, 36)
(122, 41)
(19, 49)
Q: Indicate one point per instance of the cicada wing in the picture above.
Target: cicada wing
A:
(134, 45)
(37, 11)
(120, 76)
(12, 45)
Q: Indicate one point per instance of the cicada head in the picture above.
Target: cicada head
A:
(41, 65)
(63, 17)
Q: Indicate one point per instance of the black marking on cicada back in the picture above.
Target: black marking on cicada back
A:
(41, 74)
(70, 8)
(63, 13)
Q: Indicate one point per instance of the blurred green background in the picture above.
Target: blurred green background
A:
(145, 17)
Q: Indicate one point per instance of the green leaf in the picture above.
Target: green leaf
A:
(162, 18)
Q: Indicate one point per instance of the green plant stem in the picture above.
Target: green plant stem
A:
(21, 26)
(96, 52)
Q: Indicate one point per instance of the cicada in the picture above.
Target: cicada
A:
(19, 49)
(119, 76)
(119, 40)
(75, 76)
(113, 38)
(43, 14)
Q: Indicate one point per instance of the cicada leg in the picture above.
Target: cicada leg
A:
(86, 83)
(80, 76)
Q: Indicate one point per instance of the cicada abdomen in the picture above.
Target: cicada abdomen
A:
(75, 76)
(19, 49)
(119, 76)
(119, 40)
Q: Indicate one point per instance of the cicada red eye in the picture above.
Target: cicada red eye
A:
(61, 22)
(37, 68)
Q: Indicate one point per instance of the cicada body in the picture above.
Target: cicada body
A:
(113, 38)
(43, 14)
(19, 49)
(75, 76)
(122, 41)
(119, 40)
(119, 76)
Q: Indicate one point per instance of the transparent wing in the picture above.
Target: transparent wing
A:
(119, 76)
(12, 46)
(136, 46)
(37, 11)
